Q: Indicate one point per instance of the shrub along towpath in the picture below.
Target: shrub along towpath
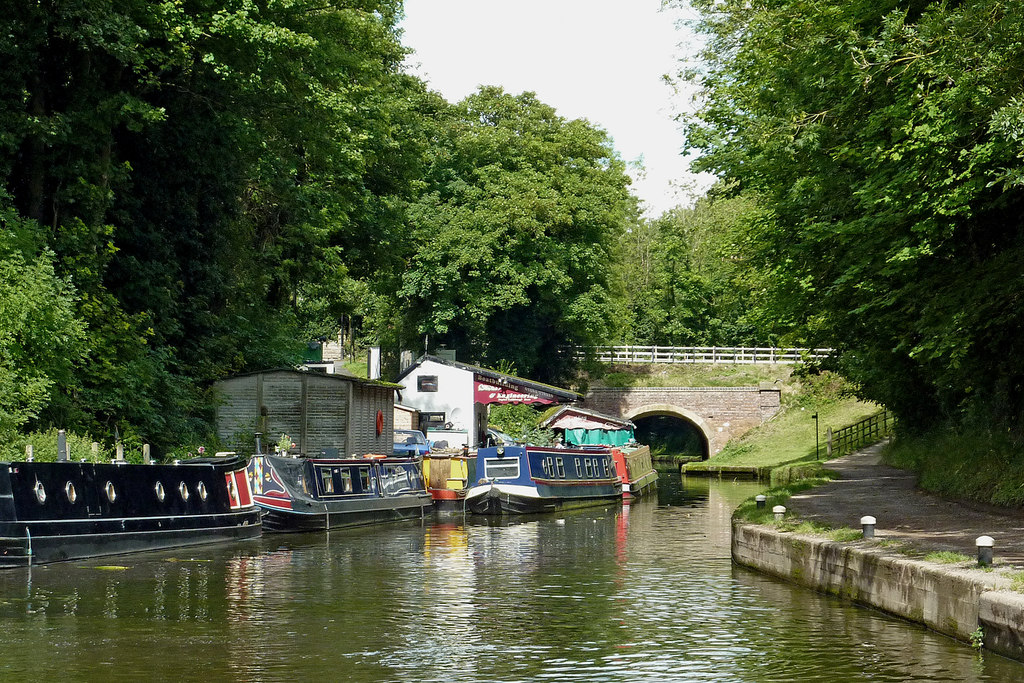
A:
(924, 521)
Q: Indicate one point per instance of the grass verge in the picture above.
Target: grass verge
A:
(789, 437)
(980, 466)
(690, 375)
(777, 495)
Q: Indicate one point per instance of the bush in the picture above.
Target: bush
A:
(44, 445)
(979, 465)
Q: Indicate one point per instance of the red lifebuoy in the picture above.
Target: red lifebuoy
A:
(380, 422)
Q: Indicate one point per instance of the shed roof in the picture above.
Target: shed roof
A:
(334, 377)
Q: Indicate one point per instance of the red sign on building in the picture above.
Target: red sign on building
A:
(487, 393)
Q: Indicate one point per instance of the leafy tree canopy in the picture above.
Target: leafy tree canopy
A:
(884, 137)
(198, 170)
(512, 233)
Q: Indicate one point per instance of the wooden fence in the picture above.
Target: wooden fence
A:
(864, 433)
(699, 354)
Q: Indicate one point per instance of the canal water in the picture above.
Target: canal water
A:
(645, 592)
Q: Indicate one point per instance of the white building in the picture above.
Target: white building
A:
(453, 398)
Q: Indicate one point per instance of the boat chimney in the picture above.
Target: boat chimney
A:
(62, 446)
(259, 446)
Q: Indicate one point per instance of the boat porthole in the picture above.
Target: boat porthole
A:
(160, 493)
(201, 489)
(110, 491)
(40, 492)
(183, 491)
(70, 492)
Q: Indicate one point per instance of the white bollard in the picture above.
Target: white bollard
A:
(780, 512)
(760, 499)
(867, 525)
(984, 544)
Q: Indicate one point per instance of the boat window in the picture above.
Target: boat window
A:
(327, 480)
(346, 481)
(501, 468)
(364, 480)
(589, 467)
(549, 466)
(576, 466)
(394, 479)
(561, 467)
(605, 463)
(415, 477)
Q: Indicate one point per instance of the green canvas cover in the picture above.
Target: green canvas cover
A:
(598, 437)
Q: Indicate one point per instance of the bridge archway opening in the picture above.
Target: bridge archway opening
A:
(668, 429)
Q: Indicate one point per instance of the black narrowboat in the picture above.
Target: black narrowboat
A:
(54, 511)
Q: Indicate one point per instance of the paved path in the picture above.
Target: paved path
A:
(867, 487)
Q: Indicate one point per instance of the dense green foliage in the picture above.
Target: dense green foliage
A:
(884, 138)
(522, 423)
(208, 176)
(196, 188)
(40, 338)
(684, 279)
(511, 235)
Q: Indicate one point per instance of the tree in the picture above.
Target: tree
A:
(684, 279)
(884, 137)
(40, 337)
(512, 233)
(199, 169)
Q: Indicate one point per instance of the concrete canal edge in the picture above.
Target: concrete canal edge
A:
(950, 600)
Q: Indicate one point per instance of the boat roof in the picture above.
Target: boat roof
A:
(574, 417)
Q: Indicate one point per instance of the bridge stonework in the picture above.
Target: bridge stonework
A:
(719, 413)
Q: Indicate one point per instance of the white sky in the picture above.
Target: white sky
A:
(601, 60)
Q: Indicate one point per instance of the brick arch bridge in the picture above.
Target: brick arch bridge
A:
(718, 413)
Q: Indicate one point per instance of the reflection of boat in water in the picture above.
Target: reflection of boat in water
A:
(53, 511)
(311, 494)
(635, 469)
(448, 476)
(527, 479)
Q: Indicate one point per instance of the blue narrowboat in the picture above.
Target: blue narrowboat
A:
(528, 479)
(314, 494)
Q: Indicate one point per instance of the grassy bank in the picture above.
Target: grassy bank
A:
(981, 466)
(690, 375)
(789, 436)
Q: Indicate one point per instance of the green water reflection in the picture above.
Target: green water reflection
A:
(645, 592)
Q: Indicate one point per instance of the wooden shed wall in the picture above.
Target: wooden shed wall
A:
(314, 410)
(367, 400)
(326, 415)
(239, 410)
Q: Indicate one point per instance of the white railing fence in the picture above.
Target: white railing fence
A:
(700, 354)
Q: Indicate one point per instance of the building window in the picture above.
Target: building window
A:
(426, 383)
(431, 421)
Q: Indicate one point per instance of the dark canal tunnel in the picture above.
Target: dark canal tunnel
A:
(671, 434)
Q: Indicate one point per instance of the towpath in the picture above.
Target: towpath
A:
(867, 487)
